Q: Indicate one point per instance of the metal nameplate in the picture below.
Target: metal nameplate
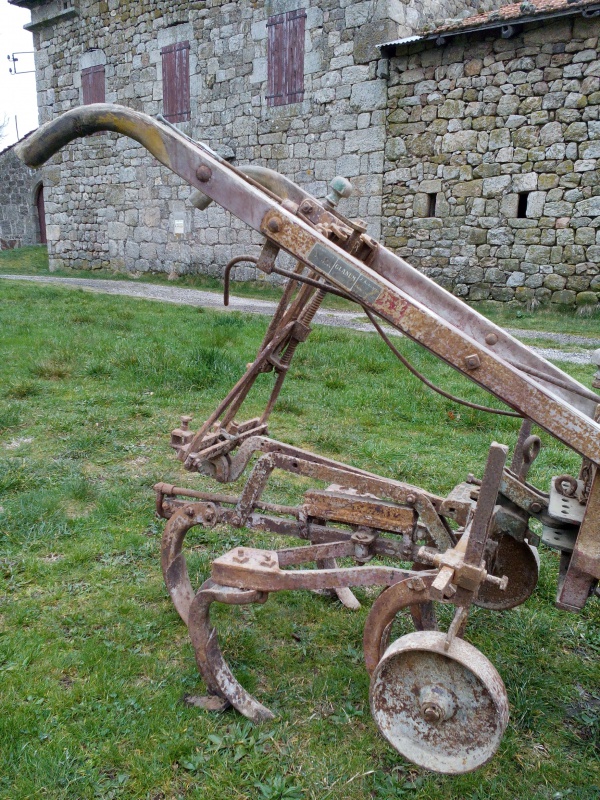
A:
(344, 273)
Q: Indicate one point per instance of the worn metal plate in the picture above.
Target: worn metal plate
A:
(557, 539)
(565, 509)
(358, 510)
(344, 273)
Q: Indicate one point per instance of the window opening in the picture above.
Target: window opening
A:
(176, 81)
(522, 205)
(432, 203)
(286, 58)
(39, 202)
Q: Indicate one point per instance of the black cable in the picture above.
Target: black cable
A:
(327, 288)
(428, 383)
(324, 287)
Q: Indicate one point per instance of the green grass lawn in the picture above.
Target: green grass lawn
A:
(34, 261)
(95, 662)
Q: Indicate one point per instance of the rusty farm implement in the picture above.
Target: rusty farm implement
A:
(435, 697)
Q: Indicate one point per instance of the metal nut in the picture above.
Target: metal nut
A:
(204, 173)
(473, 362)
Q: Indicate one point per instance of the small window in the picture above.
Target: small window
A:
(39, 203)
(176, 81)
(432, 203)
(93, 85)
(286, 58)
(522, 205)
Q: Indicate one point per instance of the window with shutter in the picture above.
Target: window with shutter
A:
(93, 85)
(286, 58)
(176, 81)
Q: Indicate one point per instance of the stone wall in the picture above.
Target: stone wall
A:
(19, 223)
(492, 182)
(109, 204)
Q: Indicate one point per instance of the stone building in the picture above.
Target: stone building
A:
(467, 130)
(21, 203)
(492, 173)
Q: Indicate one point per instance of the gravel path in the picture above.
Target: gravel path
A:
(344, 319)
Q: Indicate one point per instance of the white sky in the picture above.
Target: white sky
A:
(17, 92)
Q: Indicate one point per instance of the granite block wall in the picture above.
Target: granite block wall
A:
(19, 223)
(108, 202)
(492, 170)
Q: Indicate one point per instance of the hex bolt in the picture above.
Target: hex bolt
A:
(203, 173)
(473, 362)
(274, 225)
(437, 703)
(501, 583)
(240, 557)
(307, 207)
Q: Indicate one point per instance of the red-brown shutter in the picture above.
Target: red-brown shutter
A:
(295, 86)
(93, 85)
(276, 28)
(285, 58)
(176, 81)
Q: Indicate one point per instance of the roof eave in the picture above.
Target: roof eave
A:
(440, 36)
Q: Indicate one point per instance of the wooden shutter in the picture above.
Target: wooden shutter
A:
(276, 28)
(285, 58)
(295, 85)
(176, 81)
(93, 85)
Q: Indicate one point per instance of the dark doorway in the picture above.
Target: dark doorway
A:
(39, 202)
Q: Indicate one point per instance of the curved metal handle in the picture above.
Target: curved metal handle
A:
(85, 120)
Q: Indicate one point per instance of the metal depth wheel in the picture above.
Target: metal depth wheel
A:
(445, 710)
(520, 562)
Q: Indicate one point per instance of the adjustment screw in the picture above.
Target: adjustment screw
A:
(204, 173)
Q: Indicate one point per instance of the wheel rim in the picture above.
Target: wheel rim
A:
(445, 710)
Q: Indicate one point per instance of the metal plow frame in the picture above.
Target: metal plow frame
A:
(434, 697)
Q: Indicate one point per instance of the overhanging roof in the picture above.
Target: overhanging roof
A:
(506, 18)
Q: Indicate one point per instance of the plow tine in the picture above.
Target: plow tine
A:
(346, 596)
(213, 667)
